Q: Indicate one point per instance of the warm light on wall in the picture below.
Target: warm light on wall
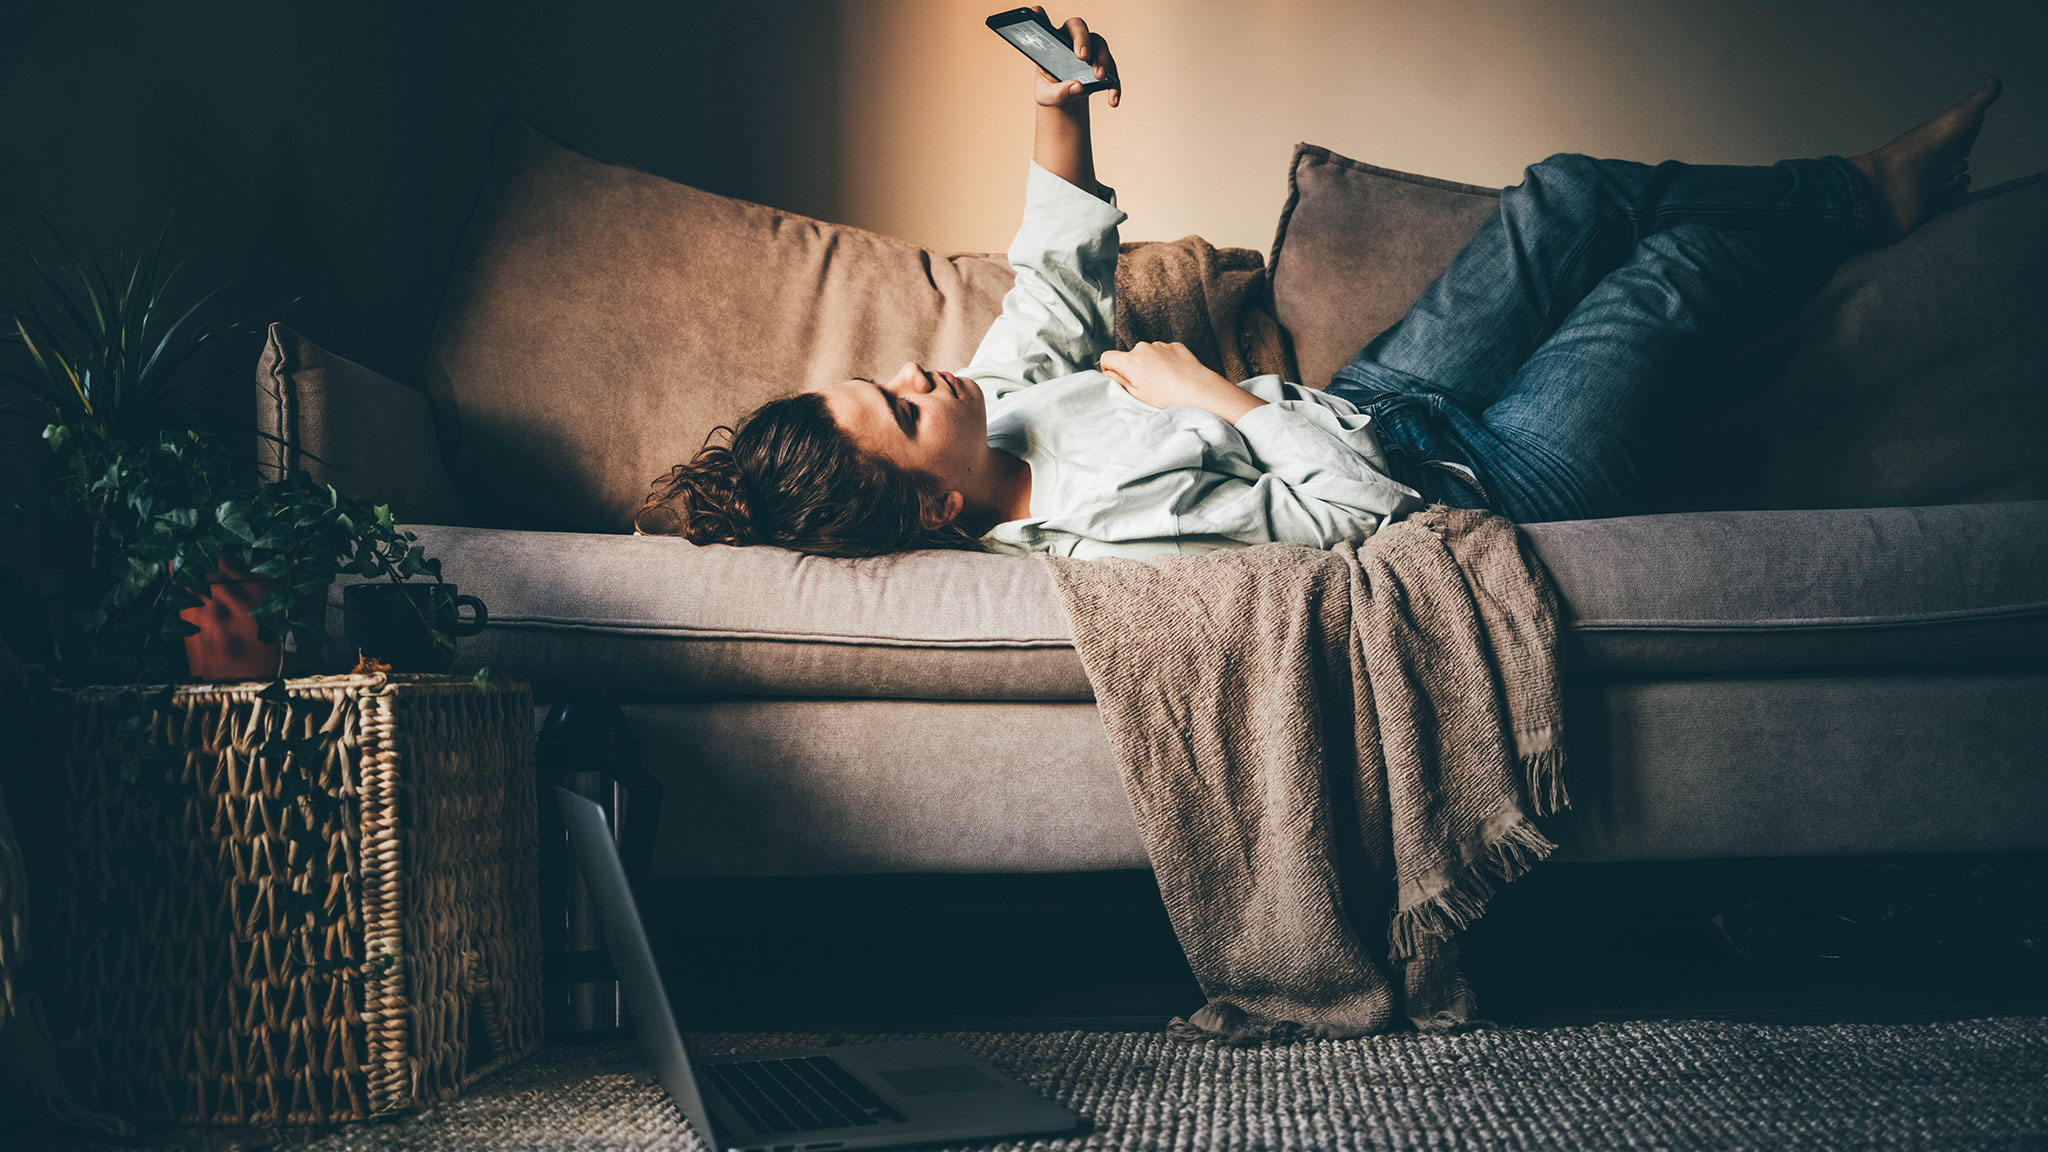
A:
(935, 139)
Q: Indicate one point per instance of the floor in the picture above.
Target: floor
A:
(1906, 940)
(1789, 941)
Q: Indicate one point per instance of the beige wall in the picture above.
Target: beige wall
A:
(932, 148)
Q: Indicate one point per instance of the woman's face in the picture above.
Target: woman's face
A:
(927, 421)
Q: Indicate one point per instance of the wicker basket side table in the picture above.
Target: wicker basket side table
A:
(231, 935)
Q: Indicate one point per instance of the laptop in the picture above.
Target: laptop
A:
(887, 1095)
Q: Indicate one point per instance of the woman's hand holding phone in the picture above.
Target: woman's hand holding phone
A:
(1092, 49)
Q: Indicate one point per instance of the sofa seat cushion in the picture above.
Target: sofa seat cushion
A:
(1726, 592)
(1643, 596)
(657, 614)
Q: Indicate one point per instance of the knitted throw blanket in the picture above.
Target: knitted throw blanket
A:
(1210, 299)
(1333, 758)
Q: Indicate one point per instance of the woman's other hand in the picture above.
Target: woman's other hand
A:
(1092, 49)
(1164, 375)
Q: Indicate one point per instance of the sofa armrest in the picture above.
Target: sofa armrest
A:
(353, 428)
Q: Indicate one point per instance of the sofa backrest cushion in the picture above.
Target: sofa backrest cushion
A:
(1356, 245)
(1917, 375)
(600, 321)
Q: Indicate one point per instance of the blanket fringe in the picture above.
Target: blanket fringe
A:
(1221, 1022)
(1464, 900)
(1543, 775)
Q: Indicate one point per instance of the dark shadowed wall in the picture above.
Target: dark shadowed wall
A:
(322, 157)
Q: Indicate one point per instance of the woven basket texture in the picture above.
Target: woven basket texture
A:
(188, 984)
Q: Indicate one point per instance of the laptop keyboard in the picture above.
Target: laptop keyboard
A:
(799, 1095)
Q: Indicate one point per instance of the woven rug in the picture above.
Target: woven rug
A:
(1978, 1084)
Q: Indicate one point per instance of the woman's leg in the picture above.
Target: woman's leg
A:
(1571, 222)
(1566, 437)
(1461, 375)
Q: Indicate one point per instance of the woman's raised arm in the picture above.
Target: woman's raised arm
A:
(1061, 144)
(1060, 314)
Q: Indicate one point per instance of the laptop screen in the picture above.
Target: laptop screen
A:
(654, 1023)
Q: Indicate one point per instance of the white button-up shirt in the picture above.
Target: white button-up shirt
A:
(1114, 476)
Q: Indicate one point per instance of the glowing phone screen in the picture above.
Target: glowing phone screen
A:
(1046, 49)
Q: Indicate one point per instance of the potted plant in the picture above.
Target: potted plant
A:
(108, 371)
(177, 554)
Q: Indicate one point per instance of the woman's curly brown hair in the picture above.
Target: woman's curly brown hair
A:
(789, 476)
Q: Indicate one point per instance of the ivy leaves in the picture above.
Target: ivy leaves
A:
(170, 514)
(142, 508)
(301, 534)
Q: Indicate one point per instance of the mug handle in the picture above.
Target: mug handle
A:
(475, 623)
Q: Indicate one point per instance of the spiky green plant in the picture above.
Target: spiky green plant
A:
(112, 357)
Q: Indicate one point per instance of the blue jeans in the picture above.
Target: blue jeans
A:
(1543, 356)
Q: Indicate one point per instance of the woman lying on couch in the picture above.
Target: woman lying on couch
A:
(1525, 379)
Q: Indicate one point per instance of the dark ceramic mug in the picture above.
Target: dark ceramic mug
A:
(388, 622)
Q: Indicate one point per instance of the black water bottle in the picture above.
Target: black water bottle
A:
(587, 747)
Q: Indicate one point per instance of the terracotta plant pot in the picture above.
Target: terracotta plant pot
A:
(227, 646)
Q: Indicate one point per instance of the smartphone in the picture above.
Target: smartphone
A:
(1048, 47)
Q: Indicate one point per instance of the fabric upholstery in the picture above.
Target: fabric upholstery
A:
(1356, 245)
(1843, 764)
(1917, 375)
(600, 321)
(653, 614)
(1671, 770)
(348, 426)
(1642, 596)
(782, 787)
(1707, 592)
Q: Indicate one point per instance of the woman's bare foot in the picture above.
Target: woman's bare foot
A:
(1923, 171)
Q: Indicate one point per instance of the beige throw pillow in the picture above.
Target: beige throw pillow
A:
(601, 320)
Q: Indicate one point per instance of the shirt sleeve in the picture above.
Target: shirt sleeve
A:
(1059, 317)
(1316, 481)
(1305, 441)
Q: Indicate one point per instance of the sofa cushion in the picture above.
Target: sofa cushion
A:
(1722, 592)
(1913, 377)
(1356, 246)
(657, 614)
(1917, 375)
(348, 426)
(1654, 596)
(600, 321)
(1871, 764)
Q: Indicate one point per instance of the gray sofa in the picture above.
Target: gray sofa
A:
(1827, 634)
